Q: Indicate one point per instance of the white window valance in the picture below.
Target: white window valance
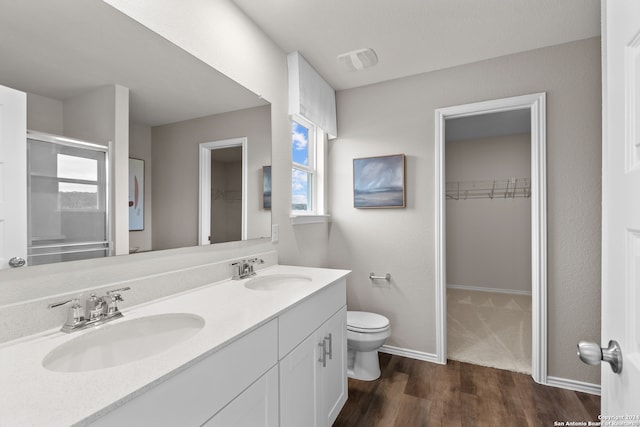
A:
(310, 96)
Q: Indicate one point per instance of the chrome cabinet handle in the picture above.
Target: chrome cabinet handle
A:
(16, 262)
(323, 358)
(591, 354)
(330, 339)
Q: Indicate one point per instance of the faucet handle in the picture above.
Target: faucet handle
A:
(58, 304)
(116, 297)
(112, 306)
(75, 315)
(237, 268)
(117, 291)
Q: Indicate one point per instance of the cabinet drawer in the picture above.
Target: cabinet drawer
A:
(300, 321)
(191, 397)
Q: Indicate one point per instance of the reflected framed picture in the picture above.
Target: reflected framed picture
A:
(266, 185)
(379, 182)
(136, 195)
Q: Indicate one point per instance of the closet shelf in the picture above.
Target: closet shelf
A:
(217, 194)
(509, 188)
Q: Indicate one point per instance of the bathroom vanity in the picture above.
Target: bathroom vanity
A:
(271, 352)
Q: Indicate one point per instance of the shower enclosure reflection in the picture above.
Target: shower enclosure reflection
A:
(67, 211)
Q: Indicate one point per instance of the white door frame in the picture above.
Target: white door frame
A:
(13, 176)
(537, 104)
(204, 210)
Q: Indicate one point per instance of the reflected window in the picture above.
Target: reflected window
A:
(77, 183)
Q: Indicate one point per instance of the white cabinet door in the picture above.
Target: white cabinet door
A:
(332, 379)
(257, 406)
(298, 395)
(13, 175)
(313, 377)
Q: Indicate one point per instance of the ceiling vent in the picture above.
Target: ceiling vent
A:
(357, 60)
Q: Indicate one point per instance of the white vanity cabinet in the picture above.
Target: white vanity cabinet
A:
(291, 371)
(313, 375)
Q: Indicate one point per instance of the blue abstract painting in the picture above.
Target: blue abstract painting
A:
(266, 184)
(378, 182)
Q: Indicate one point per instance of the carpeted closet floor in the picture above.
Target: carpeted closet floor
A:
(489, 329)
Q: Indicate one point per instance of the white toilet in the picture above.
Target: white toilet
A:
(366, 332)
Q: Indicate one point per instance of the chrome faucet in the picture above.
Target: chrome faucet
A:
(244, 268)
(97, 310)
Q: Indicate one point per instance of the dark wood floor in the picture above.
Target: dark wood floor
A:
(413, 393)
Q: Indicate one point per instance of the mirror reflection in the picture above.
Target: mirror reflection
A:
(93, 74)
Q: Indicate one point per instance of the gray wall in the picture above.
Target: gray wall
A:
(398, 117)
(488, 241)
(175, 156)
(44, 114)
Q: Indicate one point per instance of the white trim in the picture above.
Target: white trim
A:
(574, 385)
(537, 104)
(204, 199)
(309, 219)
(485, 289)
(412, 354)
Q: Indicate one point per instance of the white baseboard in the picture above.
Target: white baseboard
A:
(412, 354)
(485, 289)
(574, 385)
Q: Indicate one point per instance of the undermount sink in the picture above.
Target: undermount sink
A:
(124, 342)
(273, 282)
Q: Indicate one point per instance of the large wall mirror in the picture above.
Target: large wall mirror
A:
(60, 52)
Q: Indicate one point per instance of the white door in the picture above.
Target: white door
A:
(13, 177)
(621, 204)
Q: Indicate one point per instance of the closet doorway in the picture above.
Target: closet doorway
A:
(222, 215)
(490, 186)
(488, 239)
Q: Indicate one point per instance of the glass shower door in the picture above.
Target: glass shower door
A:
(68, 209)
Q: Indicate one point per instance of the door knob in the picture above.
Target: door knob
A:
(17, 262)
(591, 354)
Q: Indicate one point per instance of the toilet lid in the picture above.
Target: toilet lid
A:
(364, 320)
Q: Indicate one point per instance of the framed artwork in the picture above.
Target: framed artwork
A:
(379, 182)
(266, 185)
(136, 195)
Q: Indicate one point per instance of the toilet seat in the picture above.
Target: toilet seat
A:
(362, 321)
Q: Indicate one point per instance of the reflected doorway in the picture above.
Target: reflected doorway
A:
(223, 195)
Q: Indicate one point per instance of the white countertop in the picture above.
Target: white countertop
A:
(31, 395)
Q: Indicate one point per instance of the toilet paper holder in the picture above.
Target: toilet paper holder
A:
(387, 277)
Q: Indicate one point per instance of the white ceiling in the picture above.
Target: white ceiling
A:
(61, 48)
(488, 125)
(416, 36)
